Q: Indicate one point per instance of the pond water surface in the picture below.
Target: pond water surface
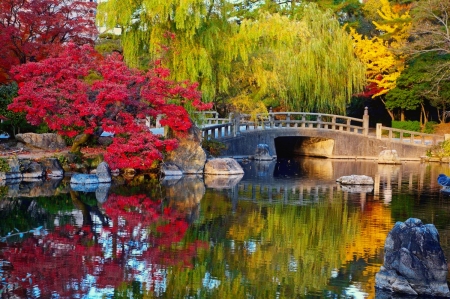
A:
(285, 229)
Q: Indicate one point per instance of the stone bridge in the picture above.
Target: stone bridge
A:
(315, 134)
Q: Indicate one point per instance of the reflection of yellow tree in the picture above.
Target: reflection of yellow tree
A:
(375, 223)
(296, 248)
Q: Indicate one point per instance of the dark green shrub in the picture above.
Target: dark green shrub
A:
(430, 127)
(408, 125)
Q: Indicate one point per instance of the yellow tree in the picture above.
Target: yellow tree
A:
(382, 55)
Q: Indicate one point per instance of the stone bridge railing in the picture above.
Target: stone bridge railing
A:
(218, 128)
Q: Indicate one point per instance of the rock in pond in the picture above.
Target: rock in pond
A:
(262, 153)
(84, 179)
(223, 166)
(355, 180)
(414, 262)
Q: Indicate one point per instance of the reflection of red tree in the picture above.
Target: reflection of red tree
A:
(141, 230)
(54, 262)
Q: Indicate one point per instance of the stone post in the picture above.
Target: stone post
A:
(236, 124)
(366, 122)
(378, 132)
(271, 118)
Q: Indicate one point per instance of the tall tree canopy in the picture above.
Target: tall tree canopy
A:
(78, 92)
(301, 62)
(31, 29)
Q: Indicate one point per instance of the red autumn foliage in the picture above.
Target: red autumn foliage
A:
(140, 240)
(371, 89)
(33, 30)
(79, 91)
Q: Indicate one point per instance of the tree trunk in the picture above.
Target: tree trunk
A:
(402, 114)
(78, 143)
(425, 117)
(390, 112)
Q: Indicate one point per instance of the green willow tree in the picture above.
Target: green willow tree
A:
(301, 62)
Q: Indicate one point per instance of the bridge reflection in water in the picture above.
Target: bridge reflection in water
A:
(300, 181)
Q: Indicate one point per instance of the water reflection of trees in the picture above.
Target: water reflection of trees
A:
(128, 239)
(229, 242)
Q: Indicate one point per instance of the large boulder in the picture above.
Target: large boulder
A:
(189, 156)
(414, 262)
(32, 169)
(223, 166)
(44, 141)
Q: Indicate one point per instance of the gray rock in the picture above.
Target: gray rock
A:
(389, 157)
(262, 153)
(32, 169)
(414, 262)
(44, 141)
(83, 179)
(355, 180)
(170, 169)
(223, 166)
(103, 173)
(53, 167)
(189, 156)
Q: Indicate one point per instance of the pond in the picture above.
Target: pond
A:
(285, 229)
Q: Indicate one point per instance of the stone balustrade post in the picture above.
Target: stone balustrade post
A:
(236, 124)
(378, 130)
(366, 122)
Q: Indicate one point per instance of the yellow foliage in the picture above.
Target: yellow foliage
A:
(370, 9)
(396, 24)
(384, 63)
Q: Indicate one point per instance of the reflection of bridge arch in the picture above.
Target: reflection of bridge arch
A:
(342, 136)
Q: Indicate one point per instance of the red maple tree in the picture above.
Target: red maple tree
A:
(31, 30)
(81, 93)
